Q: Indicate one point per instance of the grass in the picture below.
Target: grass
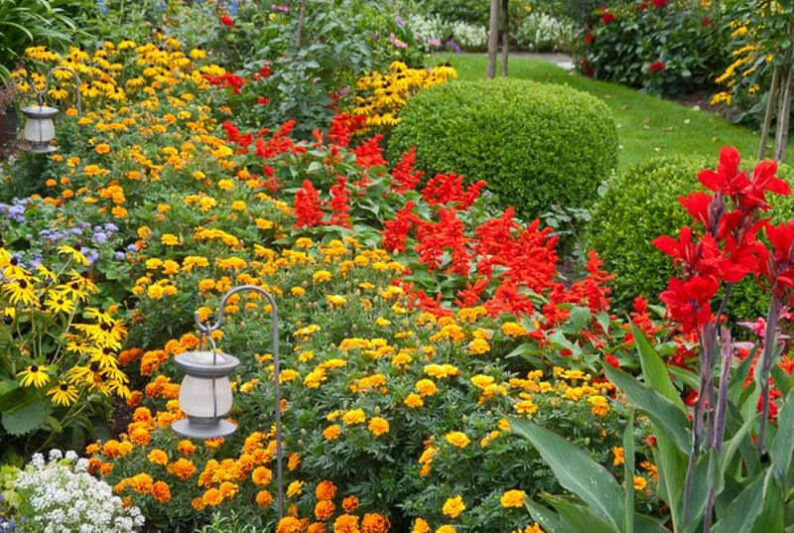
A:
(647, 125)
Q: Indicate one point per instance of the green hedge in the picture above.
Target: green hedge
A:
(536, 145)
(642, 203)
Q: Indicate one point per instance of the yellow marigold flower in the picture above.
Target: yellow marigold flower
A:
(169, 240)
(355, 416)
(600, 405)
(378, 426)
(457, 439)
(295, 488)
(513, 498)
(102, 149)
(526, 407)
(617, 452)
(640, 483)
(155, 292)
(332, 432)
(335, 299)
(421, 526)
(453, 507)
(212, 497)
(426, 387)
(413, 401)
(297, 291)
(321, 276)
(513, 329)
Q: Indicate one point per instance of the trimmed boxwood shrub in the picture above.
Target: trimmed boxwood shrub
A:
(640, 204)
(537, 145)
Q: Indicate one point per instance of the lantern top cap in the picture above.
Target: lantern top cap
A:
(200, 364)
(40, 111)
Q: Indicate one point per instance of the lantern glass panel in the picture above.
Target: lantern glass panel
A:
(196, 393)
(39, 130)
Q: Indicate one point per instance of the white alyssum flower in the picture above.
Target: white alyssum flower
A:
(60, 496)
(543, 33)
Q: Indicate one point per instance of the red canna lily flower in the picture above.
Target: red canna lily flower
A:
(688, 301)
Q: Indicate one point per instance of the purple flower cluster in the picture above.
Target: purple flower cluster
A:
(15, 210)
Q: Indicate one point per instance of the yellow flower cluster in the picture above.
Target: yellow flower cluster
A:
(382, 95)
(48, 303)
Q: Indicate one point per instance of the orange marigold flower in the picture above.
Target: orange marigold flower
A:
(185, 447)
(140, 436)
(378, 426)
(229, 489)
(289, 524)
(413, 401)
(141, 483)
(264, 499)
(375, 523)
(262, 476)
(198, 504)
(350, 504)
(182, 468)
(161, 492)
(332, 432)
(346, 524)
(324, 510)
(326, 490)
(316, 527)
(212, 497)
(293, 462)
(158, 457)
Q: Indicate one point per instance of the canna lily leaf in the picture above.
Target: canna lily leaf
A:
(576, 472)
(665, 414)
(655, 370)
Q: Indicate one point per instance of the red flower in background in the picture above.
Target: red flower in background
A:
(369, 153)
(706, 21)
(607, 17)
(227, 21)
(589, 38)
(308, 206)
(340, 203)
(657, 66)
(660, 3)
(449, 188)
(403, 176)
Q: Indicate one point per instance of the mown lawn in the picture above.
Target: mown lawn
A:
(647, 125)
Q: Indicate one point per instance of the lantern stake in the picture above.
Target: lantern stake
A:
(207, 330)
(40, 94)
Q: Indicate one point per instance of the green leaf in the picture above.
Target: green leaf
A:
(665, 415)
(575, 471)
(742, 512)
(782, 447)
(672, 464)
(577, 517)
(547, 518)
(27, 418)
(655, 370)
(771, 517)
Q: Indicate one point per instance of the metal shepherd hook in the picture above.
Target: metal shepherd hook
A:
(207, 331)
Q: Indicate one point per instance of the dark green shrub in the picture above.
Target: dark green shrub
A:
(641, 204)
(536, 145)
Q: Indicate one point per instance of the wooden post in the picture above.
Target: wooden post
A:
(770, 106)
(301, 22)
(493, 39)
(505, 34)
(783, 118)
